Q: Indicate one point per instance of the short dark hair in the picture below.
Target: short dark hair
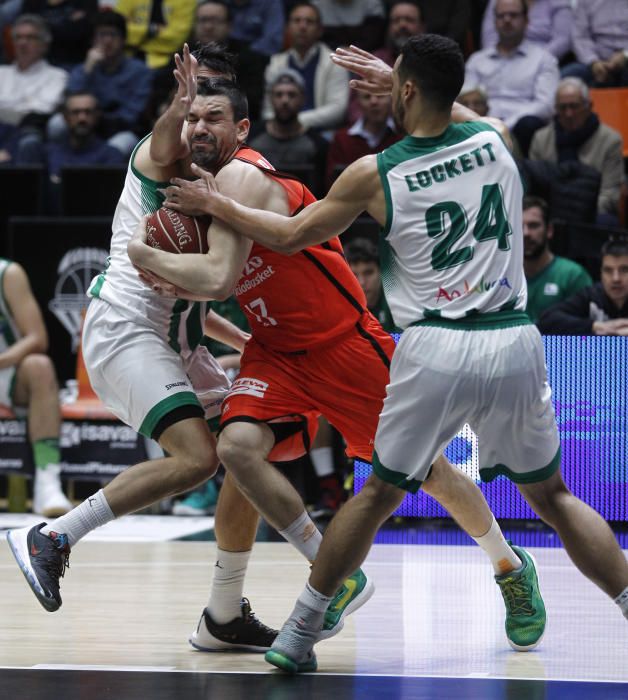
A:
(531, 201)
(111, 18)
(227, 88)
(215, 57)
(524, 7)
(306, 4)
(615, 245)
(361, 250)
(68, 95)
(222, 3)
(436, 64)
(416, 4)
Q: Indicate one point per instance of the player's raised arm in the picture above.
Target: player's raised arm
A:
(355, 191)
(167, 142)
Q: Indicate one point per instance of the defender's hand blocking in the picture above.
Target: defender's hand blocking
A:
(376, 75)
(186, 74)
(192, 198)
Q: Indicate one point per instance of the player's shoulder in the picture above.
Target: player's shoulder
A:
(245, 182)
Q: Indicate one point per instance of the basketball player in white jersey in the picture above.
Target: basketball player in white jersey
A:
(146, 358)
(448, 197)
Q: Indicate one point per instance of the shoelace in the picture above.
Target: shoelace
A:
(249, 616)
(517, 597)
(56, 565)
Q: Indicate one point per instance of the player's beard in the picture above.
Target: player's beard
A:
(206, 159)
(534, 251)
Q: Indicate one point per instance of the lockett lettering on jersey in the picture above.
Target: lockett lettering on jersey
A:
(451, 168)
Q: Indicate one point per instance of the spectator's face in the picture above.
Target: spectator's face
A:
(404, 22)
(476, 101)
(287, 101)
(304, 28)
(615, 278)
(81, 115)
(110, 42)
(212, 23)
(212, 133)
(571, 107)
(510, 21)
(28, 44)
(536, 234)
(370, 280)
(375, 108)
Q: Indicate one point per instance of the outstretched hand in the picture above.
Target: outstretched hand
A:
(375, 74)
(193, 198)
(185, 73)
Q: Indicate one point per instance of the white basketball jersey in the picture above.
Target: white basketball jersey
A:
(9, 332)
(180, 321)
(452, 246)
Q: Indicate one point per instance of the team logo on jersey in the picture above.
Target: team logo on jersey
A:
(74, 274)
(249, 387)
(481, 287)
(253, 267)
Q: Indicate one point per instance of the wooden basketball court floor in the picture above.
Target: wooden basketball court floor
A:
(433, 629)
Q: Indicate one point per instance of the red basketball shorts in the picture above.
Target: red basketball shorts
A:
(344, 380)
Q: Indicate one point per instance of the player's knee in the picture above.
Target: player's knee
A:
(195, 469)
(547, 500)
(234, 455)
(381, 496)
(37, 369)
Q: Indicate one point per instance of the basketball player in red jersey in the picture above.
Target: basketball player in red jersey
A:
(315, 348)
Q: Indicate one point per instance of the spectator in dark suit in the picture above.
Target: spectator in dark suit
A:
(70, 23)
(80, 145)
(576, 134)
(121, 84)
(601, 309)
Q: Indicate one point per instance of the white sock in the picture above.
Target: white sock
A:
(227, 585)
(303, 535)
(89, 515)
(622, 601)
(501, 554)
(323, 461)
(311, 599)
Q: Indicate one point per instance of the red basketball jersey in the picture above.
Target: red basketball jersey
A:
(297, 301)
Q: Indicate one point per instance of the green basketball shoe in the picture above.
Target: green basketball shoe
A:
(354, 592)
(525, 611)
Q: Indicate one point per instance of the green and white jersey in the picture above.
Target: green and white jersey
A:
(9, 333)
(180, 321)
(452, 246)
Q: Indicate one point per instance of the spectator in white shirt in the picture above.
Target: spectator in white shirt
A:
(30, 91)
(326, 84)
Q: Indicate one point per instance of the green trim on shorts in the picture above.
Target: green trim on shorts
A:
(214, 423)
(395, 478)
(158, 411)
(479, 321)
(490, 473)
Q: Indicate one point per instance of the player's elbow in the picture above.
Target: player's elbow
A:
(220, 288)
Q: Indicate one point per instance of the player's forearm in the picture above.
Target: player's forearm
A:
(199, 274)
(226, 332)
(21, 349)
(166, 144)
(283, 234)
